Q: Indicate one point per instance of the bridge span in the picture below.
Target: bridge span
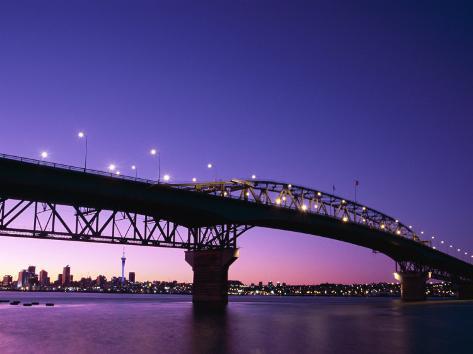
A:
(44, 200)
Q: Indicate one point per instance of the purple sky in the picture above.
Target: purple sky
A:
(295, 91)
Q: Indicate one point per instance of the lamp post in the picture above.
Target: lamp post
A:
(154, 152)
(82, 135)
(134, 168)
(211, 166)
(44, 155)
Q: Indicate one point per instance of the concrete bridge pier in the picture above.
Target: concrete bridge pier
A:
(465, 291)
(210, 285)
(413, 285)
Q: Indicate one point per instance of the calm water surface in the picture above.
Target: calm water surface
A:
(112, 323)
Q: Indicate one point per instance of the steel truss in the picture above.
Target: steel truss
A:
(412, 267)
(22, 218)
(305, 200)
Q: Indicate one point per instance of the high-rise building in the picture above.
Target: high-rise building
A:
(22, 279)
(101, 281)
(43, 278)
(66, 276)
(59, 279)
(32, 270)
(131, 277)
(7, 280)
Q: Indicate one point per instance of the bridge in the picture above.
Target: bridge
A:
(44, 200)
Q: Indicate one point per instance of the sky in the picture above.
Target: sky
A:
(317, 93)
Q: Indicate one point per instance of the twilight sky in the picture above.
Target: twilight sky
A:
(313, 93)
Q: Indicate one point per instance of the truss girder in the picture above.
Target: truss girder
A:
(20, 218)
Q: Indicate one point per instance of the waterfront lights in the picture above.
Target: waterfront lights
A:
(194, 179)
(112, 167)
(398, 231)
(345, 219)
(304, 207)
(253, 176)
(166, 178)
(289, 186)
(44, 154)
(278, 201)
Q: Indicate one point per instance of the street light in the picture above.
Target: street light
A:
(194, 179)
(133, 167)
(154, 152)
(112, 167)
(44, 155)
(166, 178)
(82, 135)
(253, 176)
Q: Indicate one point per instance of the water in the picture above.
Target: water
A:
(115, 323)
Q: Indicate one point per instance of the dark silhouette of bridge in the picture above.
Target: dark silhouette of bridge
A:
(45, 200)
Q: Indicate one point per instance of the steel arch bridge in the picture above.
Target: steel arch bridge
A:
(44, 200)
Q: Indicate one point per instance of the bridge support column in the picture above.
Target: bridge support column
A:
(465, 291)
(413, 285)
(210, 285)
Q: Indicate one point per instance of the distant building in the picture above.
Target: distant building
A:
(22, 279)
(7, 280)
(43, 278)
(101, 281)
(131, 277)
(123, 266)
(59, 279)
(32, 269)
(66, 276)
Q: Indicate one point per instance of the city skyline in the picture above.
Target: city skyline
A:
(298, 111)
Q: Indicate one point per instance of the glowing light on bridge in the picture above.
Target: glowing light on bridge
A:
(194, 179)
(117, 173)
(153, 152)
(166, 178)
(278, 201)
(398, 231)
(319, 194)
(209, 165)
(133, 167)
(304, 207)
(44, 154)
(253, 176)
(345, 219)
(81, 135)
(442, 242)
(112, 167)
(383, 226)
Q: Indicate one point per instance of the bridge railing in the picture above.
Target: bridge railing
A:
(75, 168)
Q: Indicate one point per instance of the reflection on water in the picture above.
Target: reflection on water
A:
(91, 323)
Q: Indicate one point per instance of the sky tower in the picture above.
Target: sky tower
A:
(123, 266)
